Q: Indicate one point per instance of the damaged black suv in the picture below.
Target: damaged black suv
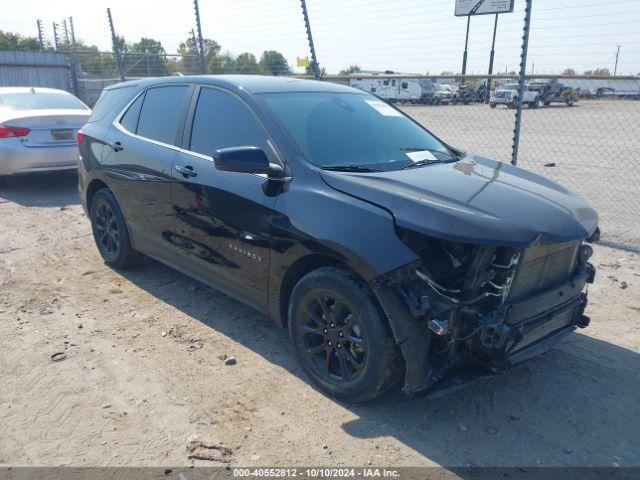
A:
(387, 253)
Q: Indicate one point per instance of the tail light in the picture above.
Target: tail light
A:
(7, 131)
(80, 136)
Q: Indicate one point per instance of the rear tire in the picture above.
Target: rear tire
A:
(110, 231)
(492, 105)
(341, 337)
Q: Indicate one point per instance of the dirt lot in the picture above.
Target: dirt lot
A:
(135, 387)
(594, 149)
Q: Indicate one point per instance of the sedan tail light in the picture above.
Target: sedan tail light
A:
(7, 131)
(80, 136)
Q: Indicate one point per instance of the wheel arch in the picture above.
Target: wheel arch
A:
(93, 187)
(298, 269)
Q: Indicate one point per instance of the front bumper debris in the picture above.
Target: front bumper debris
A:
(514, 333)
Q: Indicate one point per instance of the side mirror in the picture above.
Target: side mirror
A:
(241, 159)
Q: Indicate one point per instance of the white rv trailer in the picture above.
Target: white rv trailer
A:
(398, 89)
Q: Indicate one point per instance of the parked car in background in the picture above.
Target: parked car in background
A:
(507, 94)
(442, 94)
(387, 253)
(38, 128)
(552, 91)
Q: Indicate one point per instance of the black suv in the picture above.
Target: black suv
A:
(387, 253)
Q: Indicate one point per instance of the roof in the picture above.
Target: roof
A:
(29, 89)
(252, 83)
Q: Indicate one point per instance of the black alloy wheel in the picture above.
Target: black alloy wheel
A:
(110, 231)
(108, 235)
(334, 338)
(341, 336)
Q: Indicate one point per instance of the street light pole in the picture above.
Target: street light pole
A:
(466, 44)
(491, 57)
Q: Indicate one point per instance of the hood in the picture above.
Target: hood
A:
(475, 200)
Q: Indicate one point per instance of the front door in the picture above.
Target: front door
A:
(222, 219)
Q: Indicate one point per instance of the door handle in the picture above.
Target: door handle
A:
(117, 146)
(186, 171)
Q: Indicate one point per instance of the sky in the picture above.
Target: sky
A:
(410, 36)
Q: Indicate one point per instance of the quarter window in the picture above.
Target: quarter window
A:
(221, 120)
(130, 118)
(160, 113)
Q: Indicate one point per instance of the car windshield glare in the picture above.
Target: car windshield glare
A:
(352, 129)
(40, 101)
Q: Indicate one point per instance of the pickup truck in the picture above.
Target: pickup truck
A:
(507, 94)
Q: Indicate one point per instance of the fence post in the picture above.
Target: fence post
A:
(55, 35)
(200, 39)
(40, 36)
(116, 50)
(317, 73)
(521, 79)
(74, 58)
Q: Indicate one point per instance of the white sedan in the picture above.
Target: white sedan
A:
(38, 128)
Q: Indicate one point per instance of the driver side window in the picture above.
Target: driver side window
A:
(221, 120)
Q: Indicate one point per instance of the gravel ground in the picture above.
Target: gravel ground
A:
(145, 374)
(594, 148)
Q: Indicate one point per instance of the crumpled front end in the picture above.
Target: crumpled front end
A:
(463, 310)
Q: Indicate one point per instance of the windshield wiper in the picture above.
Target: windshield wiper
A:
(350, 168)
(422, 163)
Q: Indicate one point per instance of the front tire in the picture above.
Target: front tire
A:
(341, 337)
(110, 231)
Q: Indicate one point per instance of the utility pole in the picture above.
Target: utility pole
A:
(491, 57)
(200, 39)
(317, 73)
(615, 69)
(521, 79)
(40, 35)
(116, 50)
(55, 35)
(464, 55)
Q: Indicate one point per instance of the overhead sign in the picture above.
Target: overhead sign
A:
(482, 7)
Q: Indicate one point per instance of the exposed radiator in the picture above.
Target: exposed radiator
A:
(544, 266)
(558, 321)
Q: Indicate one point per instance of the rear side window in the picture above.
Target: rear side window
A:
(130, 119)
(160, 113)
(108, 100)
(222, 120)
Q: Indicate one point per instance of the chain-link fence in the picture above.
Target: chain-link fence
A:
(579, 117)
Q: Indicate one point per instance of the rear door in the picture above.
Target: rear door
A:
(143, 145)
(223, 219)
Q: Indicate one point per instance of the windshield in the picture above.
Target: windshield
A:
(352, 129)
(40, 101)
(509, 86)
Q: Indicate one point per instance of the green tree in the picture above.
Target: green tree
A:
(599, 72)
(308, 70)
(224, 63)
(15, 41)
(147, 57)
(247, 63)
(273, 62)
(351, 69)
